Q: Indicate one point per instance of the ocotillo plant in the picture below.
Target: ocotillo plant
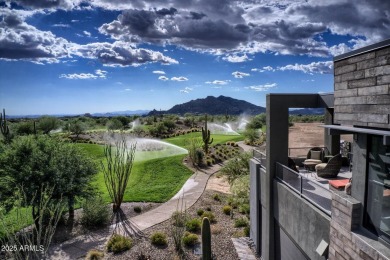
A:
(206, 239)
(206, 137)
(3, 126)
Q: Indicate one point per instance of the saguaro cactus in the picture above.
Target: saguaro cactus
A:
(206, 239)
(3, 126)
(206, 137)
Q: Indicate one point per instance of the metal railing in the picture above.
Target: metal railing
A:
(307, 189)
(302, 151)
(260, 156)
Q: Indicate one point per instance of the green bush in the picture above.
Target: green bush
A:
(241, 222)
(179, 218)
(96, 213)
(193, 225)
(94, 255)
(189, 239)
(244, 209)
(200, 212)
(216, 197)
(118, 243)
(246, 231)
(137, 209)
(159, 239)
(209, 215)
(227, 210)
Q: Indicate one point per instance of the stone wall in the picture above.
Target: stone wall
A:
(347, 241)
(362, 89)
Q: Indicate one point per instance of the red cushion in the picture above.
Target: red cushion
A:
(339, 183)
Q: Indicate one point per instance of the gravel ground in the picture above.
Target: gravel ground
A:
(222, 232)
(66, 230)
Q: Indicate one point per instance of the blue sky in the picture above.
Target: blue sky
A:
(76, 56)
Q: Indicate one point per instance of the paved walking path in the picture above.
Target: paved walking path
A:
(185, 198)
(78, 247)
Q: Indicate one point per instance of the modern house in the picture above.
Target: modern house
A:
(295, 217)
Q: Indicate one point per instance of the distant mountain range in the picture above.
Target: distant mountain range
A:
(210, 105)
(214, 106)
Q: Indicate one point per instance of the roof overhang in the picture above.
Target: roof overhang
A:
(342, 130)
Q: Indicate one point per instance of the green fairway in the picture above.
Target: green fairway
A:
(218, 139)
(155, 180)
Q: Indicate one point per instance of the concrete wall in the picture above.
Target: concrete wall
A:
(304, 223)
(254, 168)
(362, 89)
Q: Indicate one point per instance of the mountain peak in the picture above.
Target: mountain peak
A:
(217, 106)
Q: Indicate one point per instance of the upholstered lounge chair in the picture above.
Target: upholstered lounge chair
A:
(315, 155)
(330, 169)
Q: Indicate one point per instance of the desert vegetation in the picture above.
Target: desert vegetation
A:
(68, 155)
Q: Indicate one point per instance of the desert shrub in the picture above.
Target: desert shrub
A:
(137, 209)
(94, 255)
(189, 239)
(179, 218)
(118, 243)
(209, 215)
(227, 210)
(193, 225)
(241, 222)
(216, 197)
(246, 231)
(208, 208)
(244, 208)
(159, 239)
(96, 213)
(200, 212)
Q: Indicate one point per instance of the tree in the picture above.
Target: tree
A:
(251, 135)
(77, 127)
(118, 170)
(48, 123)
(169, 124)
(256, 122)
(25, 128)
(236, 167)
(33, 162)
(114, 124)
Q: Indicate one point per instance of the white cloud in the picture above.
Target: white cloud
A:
(240, 75)
(322, 67)
(236, 58)
(101, 73)
(218, 82)
(88, 34)
(163, 78)
(127, 89)
(61, 25)
(79, 76)
(98, 74)
(181, 78)
(264, 87)
(264, 69)
(120, 54)
(159, 72)
(186, 90)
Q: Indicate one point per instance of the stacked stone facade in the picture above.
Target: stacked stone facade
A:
(362, 89)
(346, 241)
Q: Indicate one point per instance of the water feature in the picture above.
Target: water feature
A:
(135, 123)
(220, 129)
(242, 124)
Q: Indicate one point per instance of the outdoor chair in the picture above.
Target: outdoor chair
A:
(292, 165)
(315, 155)
(330, 169)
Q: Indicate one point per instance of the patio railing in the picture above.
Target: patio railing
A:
(301, 151)
(307, 189)
(260, 156)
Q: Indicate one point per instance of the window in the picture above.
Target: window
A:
(377, 217)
